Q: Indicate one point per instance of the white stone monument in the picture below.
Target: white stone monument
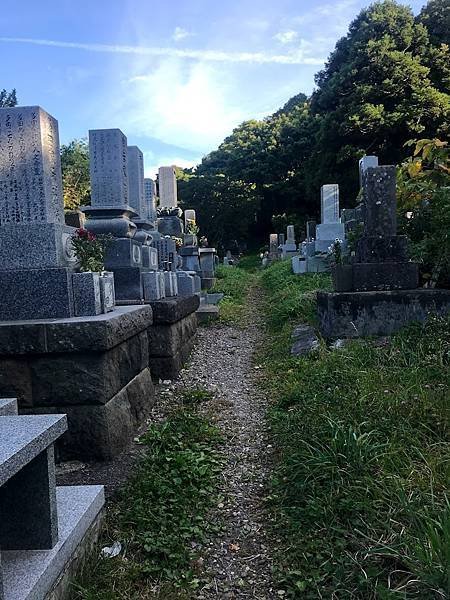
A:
(330, 228)
(167, 187)
(150, 199)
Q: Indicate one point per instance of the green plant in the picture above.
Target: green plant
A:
(90, 250)
(197, 395)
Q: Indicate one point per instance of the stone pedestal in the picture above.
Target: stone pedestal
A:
(172, 226)
(172, 336)
(357, 314)
(94, 369)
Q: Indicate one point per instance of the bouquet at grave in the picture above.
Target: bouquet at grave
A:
(335, 252)
(178, 242)
(204, 242)
(169, 211)
(90, 250)
(191, 227)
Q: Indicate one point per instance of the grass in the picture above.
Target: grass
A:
(361, 433)
(161, 515)
(235, 283)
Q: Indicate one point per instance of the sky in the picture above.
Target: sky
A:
(176, 77)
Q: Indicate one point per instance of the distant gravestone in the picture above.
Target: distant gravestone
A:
(108, 159)
(167, 187)
(311, 230)
(365, 163)
(150, 199)
(136, 193)
(329, 203)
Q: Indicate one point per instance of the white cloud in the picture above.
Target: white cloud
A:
(180, 34)
(290, 58)
(286, 37)
(153, 162)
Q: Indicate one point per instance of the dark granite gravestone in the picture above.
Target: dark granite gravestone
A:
(377, 293)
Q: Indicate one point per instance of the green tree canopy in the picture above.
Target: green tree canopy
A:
(8, 99)
(75, 174)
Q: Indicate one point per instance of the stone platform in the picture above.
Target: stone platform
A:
(377, 313)
(94, 369)
(32, 574)
(172, 336)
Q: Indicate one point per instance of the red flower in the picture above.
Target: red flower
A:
(91, 237)
(82, 233)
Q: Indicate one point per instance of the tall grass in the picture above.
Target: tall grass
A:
(362, 438)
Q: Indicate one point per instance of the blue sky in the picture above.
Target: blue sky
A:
(174, 77)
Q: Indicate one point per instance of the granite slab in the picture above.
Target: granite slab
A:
(8, 407)
(171, 310)
(23, 437)
(31, 574)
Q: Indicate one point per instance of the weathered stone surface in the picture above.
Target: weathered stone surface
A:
(305, 340)
(171, 310)
(380, 201)
(78, 334)
(101, 432)
(8, 407)
(356, 314)
(372, 249)
(86, 378)
(165, 340)
(169, 367)
(206, 313)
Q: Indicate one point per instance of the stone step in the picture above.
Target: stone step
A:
(32, 574)
(24, 437)
(207, 313)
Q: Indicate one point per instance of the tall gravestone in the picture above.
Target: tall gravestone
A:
(150, 199)
(36, 257)
(167, 187)
(330, 228)
(137, 194)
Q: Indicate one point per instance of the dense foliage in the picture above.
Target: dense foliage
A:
(75, 174)
(8, 99)
(386, 82)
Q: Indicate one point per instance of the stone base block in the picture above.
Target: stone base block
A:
(101, 432)
(208, 283)
(166, 340)
(169, 367)
(377, 313)
(36, 294)
(207, 313)
(372, 249)
(364, 277)
(172, 310)
(34, 573)
(128, 285)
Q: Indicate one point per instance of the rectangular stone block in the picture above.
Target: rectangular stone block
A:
(165, 340)
(311, 230)
(8, 407)
(378, 313)
(382, 249)
(128, 285)
(380, 200)
(169, 367)
(108, 168)
(36, 294)
(30, 167)
(172, 310)
(150, 200)
(136, 194)
(149, 258)
(152, 286)
(364, 163)
(385, 276)
(86, 293)
(329, 203)
(186, 284)
(123, 252)
(167, 187)
(26, 246)
(107, 293)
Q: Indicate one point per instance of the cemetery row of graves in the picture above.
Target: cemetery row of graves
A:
(94, 312)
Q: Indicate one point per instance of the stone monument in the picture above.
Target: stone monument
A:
(330, 227)
(36, 254)
(377, 293)
(169, 222)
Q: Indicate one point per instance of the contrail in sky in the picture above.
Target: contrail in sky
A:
(293, 58)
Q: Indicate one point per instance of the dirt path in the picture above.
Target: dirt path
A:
(238, 561)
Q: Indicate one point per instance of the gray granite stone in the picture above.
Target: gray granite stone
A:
(36, 246)
(172, 310)
(8, 407)
(128, 285)
(32, 574)
(150, 200)
(364, 163)
(311, 230)
(30, 167)
(167, 187)
(169, 284)
(23, 438)
(356, 314)
(167, 339)
(28, 504)
(149, 258)
(380, 201)
(152, 286)
(136, 181)
(305, 340)
(107, 292)
(170, 226)
(86, 294)
(169, 367)
(207, 261)
(186, 284)
(167, 253)
(123, 252)
(36, 294)
(108, 159)
(78, 334)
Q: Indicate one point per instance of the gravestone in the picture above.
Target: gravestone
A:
(167, 187)
(310, 230)
(150, 200)
(36, 254)
(289, 248)
(330, 229)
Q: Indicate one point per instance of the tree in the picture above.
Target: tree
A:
(435, 16)
(75, 174)
(8, 99)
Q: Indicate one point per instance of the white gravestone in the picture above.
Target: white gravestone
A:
(167, 187)
(329, 203)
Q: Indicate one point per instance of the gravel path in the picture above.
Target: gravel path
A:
(238, 560)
